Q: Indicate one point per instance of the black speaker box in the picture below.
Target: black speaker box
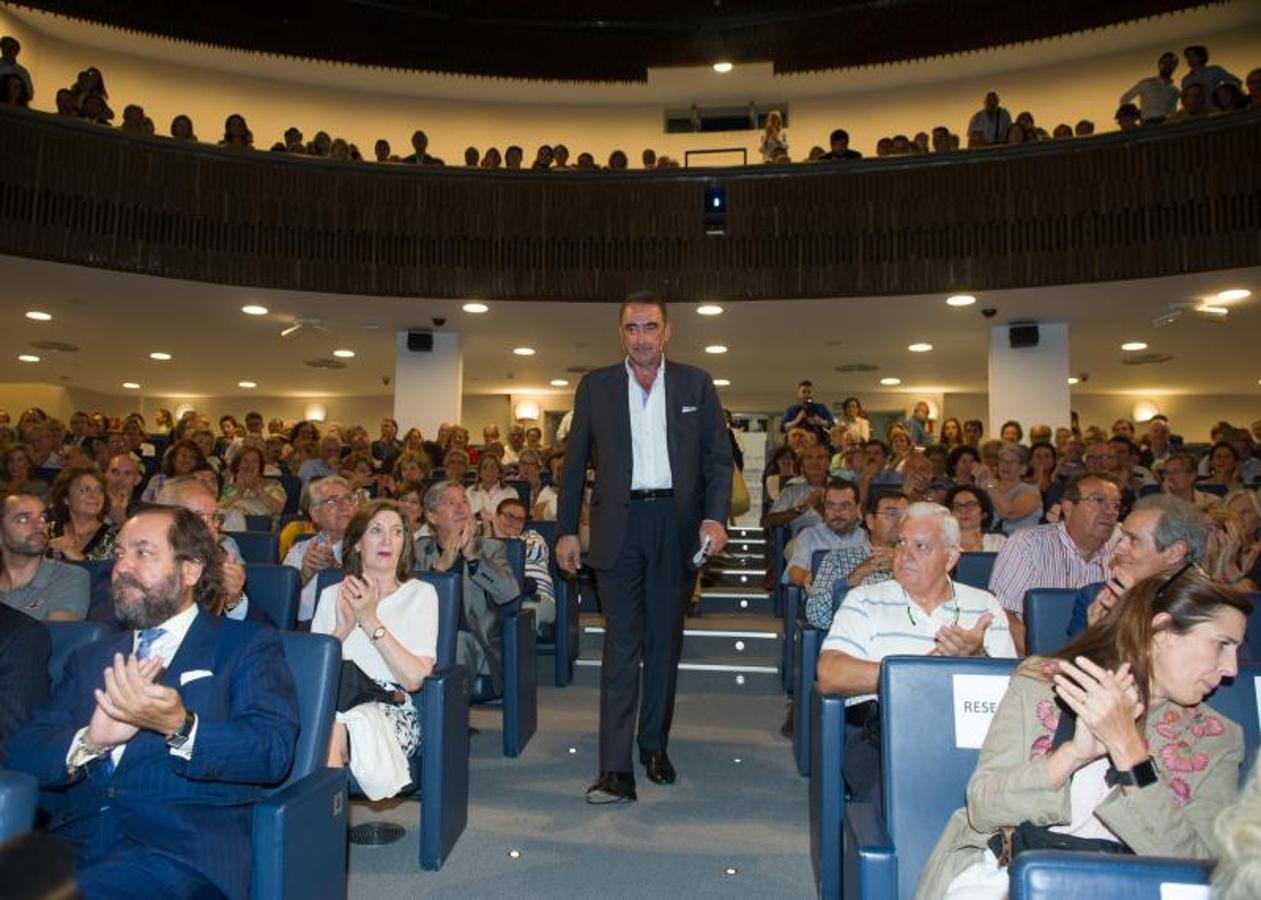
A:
(1023, 336)
(422, 341)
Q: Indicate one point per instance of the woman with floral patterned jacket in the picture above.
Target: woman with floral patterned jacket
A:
(1108, 741)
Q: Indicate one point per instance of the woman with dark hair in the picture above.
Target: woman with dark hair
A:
(13, 91)
(79, 504)
(302, 432)
(951, 433)
(853, 419)
(182, 128)
(17, 471)
(249, 492)
(779, 468)
(1107, 745)
(411, 465)
(387, 622)
(1043, 463)
(485, 496)
(181, 458)
(963, 460)
(1228, 97)
(1223, 465)
(236, 134)
(974, 512)
(1017, 503)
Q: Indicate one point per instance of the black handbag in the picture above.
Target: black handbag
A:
(355, 687)
(1011, 842)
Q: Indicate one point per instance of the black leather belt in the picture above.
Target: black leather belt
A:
(654, 494)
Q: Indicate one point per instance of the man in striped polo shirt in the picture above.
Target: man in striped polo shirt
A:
(921, 611)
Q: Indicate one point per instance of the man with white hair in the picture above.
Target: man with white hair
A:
(331, 507)
(921, 611)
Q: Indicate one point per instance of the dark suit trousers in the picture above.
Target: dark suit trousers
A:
(643, 598)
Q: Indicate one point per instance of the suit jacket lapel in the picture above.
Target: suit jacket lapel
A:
(621, 397)
(196, 651)
(673, 411)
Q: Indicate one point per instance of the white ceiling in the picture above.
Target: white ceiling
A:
(117, 319)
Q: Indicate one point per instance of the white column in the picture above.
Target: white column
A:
(1029, 384)
(428, 385)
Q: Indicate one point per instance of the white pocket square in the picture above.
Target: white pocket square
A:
(688, 409)
(194, 675)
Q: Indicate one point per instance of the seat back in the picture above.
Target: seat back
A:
(274, 590)
(67, 637)
(315, 661)
(815, 559)
(1047, 614)
(523, 491)
(257, 546)
(293, 493)
(925, 770)
(19, 795)
(973, 569)
(1218, 489)
(257, 523)
(1250, 652)
(1237, 699)
(1054, 874)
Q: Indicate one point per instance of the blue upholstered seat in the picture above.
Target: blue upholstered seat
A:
(1047, 614)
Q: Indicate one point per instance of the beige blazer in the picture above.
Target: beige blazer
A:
(1197, 752)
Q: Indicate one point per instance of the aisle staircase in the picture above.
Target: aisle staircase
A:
(733, 645)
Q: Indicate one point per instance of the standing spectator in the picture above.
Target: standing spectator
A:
(1253, 81)
(542, 158)
(512, 157)
(807, 413)
(649, 158)
(13, 91)
(1084, 128)
(1201, 73)
(840, 147)
(472, 159)
(236, 134)
(491, 159)
(90, 96)
(560, 157)
(1127, 117)
(381, 150)
(917, 425)
(420, 147)
(774, 144)
(1157, 94)
(853, 419)
(9, 65)
(617, 160)
(182, 130)
(294, 142)
(941, 140)
(990, 124)
(1228, 98)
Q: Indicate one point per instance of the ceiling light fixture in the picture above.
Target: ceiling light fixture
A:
(709, 309)
(131, 385)
(890, 382)
(247, 384)
(920, 348)
(160, 357)
(960, 300)
(1072, 380)
(715, 348)
(722, 382)
(1207, 309)
(39, 315)
(1133, 346)
(1232, 295)
(344, 354)
(475, 308)
(722, 68)
(28, 357)
(523, 351)
(254, 310)
(559, 382)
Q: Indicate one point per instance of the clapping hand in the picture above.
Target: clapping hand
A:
(131, 700)
(1105, 600)
(1108, 704)
(953, 640)
(361, 596)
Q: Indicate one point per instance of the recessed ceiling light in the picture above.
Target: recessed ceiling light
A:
(253, 310)
(159, 356)
(890, 382)
(710, 309)
(247, 384)
(722, 68)
(1072, 380)
(715, 348)
(1131, 346)
(523, 351)
(28, 357)
(38, 315)
(131, 386)
(722, 382)
(1233, 294)
(920, 348)
(475, 308)
(559, 382)
(1209, 310)
(344, 354)
(960, 300)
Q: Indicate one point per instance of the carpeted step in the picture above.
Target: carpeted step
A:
(715, 675)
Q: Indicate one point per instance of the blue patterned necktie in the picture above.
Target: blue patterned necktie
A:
(148, 637)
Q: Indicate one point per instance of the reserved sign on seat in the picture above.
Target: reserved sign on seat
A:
(976, 699)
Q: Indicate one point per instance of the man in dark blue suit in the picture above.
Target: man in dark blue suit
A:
(162, 738)
(662, 491)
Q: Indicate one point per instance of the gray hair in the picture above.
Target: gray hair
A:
(944, 518)
(1179, 521)
(308, 493)
(532, 454)
(433, 496)
(174, 488)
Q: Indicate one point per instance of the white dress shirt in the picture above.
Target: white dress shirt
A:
(649, 451)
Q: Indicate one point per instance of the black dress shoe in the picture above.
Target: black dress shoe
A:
(612, 787)
(658, 766)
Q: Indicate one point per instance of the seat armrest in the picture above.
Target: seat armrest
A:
(792, 605)
(19, 794)
(827, 790)
(807, 641)
(1046, 874)
(512, 608)
(521, 681)
(871, 864)
(443, 702)
(299, 839)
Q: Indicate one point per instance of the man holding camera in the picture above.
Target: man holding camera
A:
(808, 413)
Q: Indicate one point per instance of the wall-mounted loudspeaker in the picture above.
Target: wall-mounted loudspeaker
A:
(420, 341)
(1023, 336)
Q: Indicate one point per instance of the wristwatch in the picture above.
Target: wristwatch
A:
(180, 737)
(377, 634)
(1141, 775)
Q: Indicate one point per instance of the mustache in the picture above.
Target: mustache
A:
(131, 581)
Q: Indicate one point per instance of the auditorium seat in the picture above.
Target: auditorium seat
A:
(274, 590)
(1237, 699)
(794, 610)
(257, 546)
(883, 855)
(440, 771)
(809, 645)
(776, 541)
(1047, 612)
(1056, 874)
(67, 637)
(293, 494)
(523, 491)
(258, 523)
(563, 633)
(974, 568)
(19, 795)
